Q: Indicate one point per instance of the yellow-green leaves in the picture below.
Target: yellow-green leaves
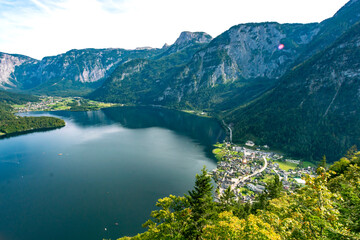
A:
(230, 227)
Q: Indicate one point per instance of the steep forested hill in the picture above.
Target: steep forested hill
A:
(314, 110)
(15, 98)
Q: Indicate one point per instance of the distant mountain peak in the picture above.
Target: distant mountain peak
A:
(166, 46)
(187, 37)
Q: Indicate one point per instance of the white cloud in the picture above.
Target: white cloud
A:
(47, 27)
(41, 6)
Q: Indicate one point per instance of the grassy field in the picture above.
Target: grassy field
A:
(18, 106)
(219, 145)
(59, 107)
(221, 150)
(308, 164)
(286, 165)
(100, 104)
(268, 178)
(59, 104)
(219, 153)
(245, 191)
(197, 113)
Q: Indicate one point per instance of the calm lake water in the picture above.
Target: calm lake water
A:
(105, 169)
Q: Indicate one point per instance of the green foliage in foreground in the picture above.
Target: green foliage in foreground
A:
(327, 207)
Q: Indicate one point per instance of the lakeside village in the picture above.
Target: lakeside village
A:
(247, 170)
(60, 103)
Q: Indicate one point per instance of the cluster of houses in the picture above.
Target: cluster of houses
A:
(46, 104)
(247, 172)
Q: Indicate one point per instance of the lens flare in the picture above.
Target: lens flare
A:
(281, 46)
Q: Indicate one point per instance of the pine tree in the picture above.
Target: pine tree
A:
(273, 189)
(323, 162)
(321, 166)
(201, 204)
(351, 152)
(227, 199)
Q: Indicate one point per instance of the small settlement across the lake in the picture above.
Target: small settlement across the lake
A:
(247, 170)
(49, 103)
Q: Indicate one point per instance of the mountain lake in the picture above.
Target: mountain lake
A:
(100, 175)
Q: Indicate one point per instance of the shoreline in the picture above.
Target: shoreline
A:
(15, 134)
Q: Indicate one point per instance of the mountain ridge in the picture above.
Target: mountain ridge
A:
(83, 69)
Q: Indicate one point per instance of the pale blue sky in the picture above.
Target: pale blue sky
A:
(39, 28)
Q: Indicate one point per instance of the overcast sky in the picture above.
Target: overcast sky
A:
(39, 28)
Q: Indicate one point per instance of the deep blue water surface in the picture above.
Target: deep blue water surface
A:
(105, 169)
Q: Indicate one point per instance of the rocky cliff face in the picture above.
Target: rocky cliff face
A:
(79, 71)
(75, 71)
(81, 66)
(192, 37)
(247, 53)
(253, 50)
(143, 80)
(8, 63)
(186, 40)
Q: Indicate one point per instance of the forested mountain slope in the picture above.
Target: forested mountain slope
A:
(314, 110)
